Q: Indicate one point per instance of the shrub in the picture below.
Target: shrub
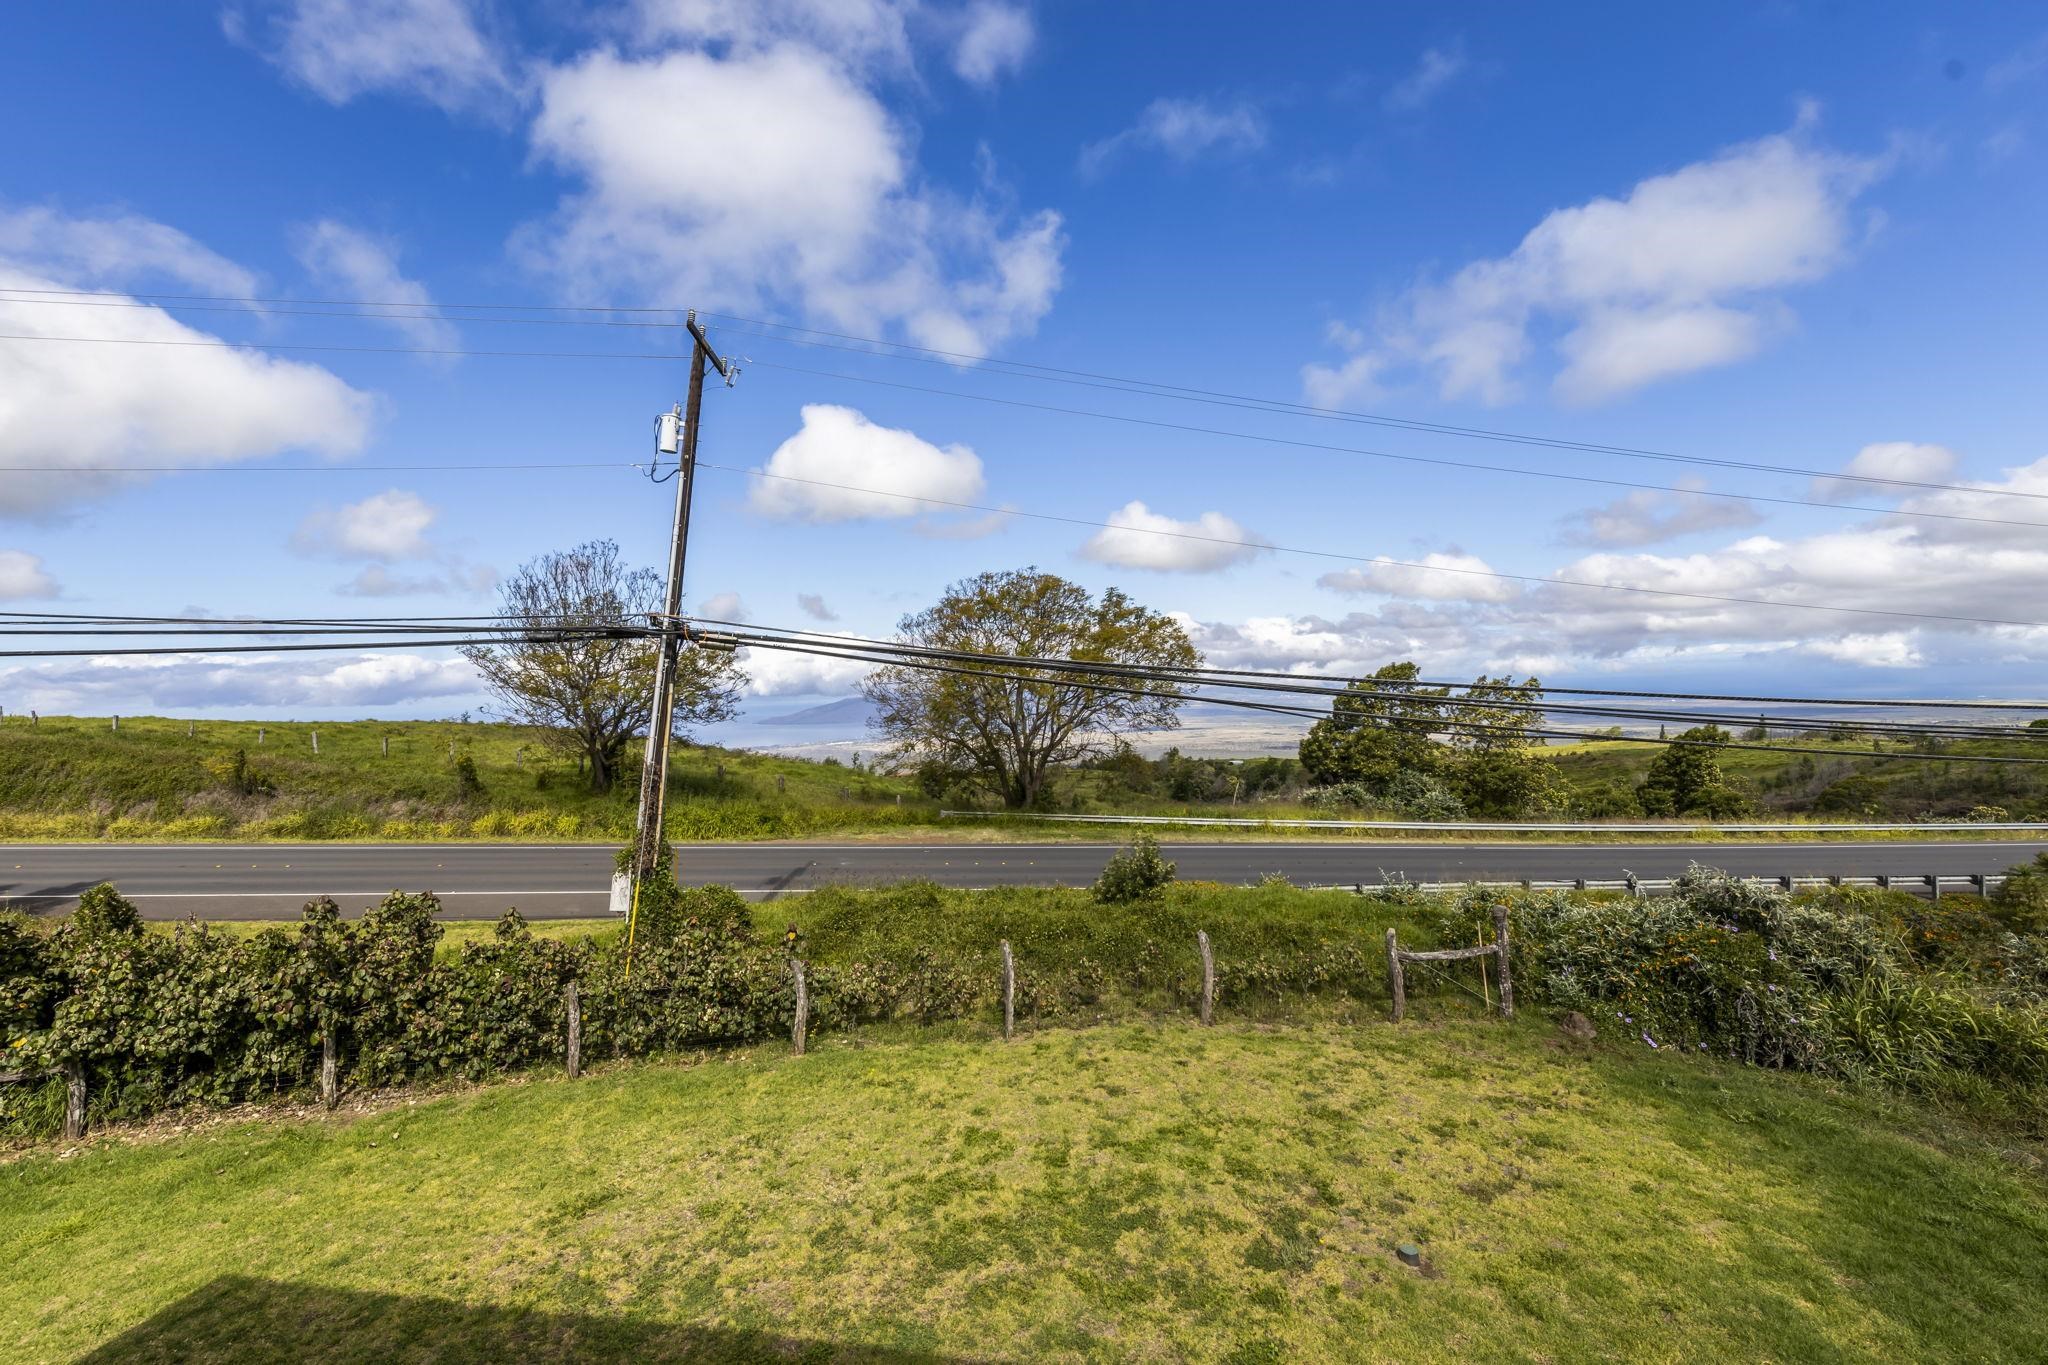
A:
(467, 783)
(1135, 872)
(1424, 796)
(2021, 903)
(102, 911)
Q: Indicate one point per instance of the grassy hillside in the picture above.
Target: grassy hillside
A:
(1145, 1191)
(77, 777)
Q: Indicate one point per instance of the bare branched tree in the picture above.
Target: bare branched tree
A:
(1010, 733)
(591, 696)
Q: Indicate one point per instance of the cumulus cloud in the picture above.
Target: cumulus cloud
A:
(1182, 130)
(72, 405)
(119, 249)
(22, 577)
(366, 267)
(770, 176)
(724, 606)
(995, 39)
(433, 50)
(389, 528)
(779, 673)
(1646, 517)
(2020, 66)
(1139, 538)
(840, 446)
(1453, 577)
(1438, 67)
(1680, 274)
(386, 526)
(1919, 594)
(814, 607)
(236, 682)
(1907, 462)
(858, 33)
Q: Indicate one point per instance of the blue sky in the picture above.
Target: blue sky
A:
(1801, 235)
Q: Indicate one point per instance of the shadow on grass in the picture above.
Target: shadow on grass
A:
(238, 1317)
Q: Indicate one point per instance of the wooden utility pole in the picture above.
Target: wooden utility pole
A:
(661, 715)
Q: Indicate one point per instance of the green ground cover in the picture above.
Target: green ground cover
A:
(70, 778)
(1143, 1191)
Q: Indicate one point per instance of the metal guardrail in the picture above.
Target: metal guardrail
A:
(1981, 883)
(1497, 826)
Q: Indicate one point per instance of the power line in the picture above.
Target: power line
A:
(1129, 419)
(1370, 559)
(1286, 676)
(1021, 369)
(1307, 713)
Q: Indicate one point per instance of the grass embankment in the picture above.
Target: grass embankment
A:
(1143, 1191)
(79, 778)
(73, 778)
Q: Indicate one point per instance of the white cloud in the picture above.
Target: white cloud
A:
(1909, 461)
(995, 39)
(1679, 275)
(780, 673)
(1355, 380)
(69, 405)
(773, 176)
(1646, 517)
(22, 577)
(231, 682)
(375, 580)
(434, 50)
(1451, 577)
(838, 445)
(387, 527)
(1144, 539)
(813, 606)
(1894, 649)
(858, 33)
(1920, 594)
(1438, 67)
(1182, 129)
(724, 606)
(367, 268)
(117, 250)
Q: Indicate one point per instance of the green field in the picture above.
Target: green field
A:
(153, 778)
(1143, 1191)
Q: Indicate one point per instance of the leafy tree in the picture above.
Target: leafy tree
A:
(1686, 778)
(1010, 730)
(1382, 726)
(1493, 769)
(590, 694)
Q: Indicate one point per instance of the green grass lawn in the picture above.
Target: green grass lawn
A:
(1139, 1191)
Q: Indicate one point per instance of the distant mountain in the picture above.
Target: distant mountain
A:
(846, 712)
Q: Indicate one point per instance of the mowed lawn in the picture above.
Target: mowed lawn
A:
(1149, 1191)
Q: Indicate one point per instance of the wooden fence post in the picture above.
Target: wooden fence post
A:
(781, 784)
(330, 1077)
(259, 734)
(802, 1028)
(117, 722)
(572, 1001)
(1395, 983)
(387, 746)
(316, 742)
(1009, 992)
(1500, 943)
(74, 1099)
(1208, 975)
(191, 726)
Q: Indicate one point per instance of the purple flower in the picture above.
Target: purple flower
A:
(1703, 1047)
(1648, 1039)
(1772, 954)
(1775, 990)
(1628, 1018)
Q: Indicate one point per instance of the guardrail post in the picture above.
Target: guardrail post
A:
(1009, 992)
(1934, 887)
(1395, 983)
(572, 1005)
(1208, 975)
(74, 1100)
(1500, 943)
(1884, 881)
(1977, 880)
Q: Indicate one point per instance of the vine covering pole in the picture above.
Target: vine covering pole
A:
(1208, 975)
(1500, 943)
(1395, 983)
(1009, 992)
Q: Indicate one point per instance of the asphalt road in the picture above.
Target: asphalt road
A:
(479, 881)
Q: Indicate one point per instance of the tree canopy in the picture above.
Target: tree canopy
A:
(592, 695)
(1686, 778)
(1009, 731)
